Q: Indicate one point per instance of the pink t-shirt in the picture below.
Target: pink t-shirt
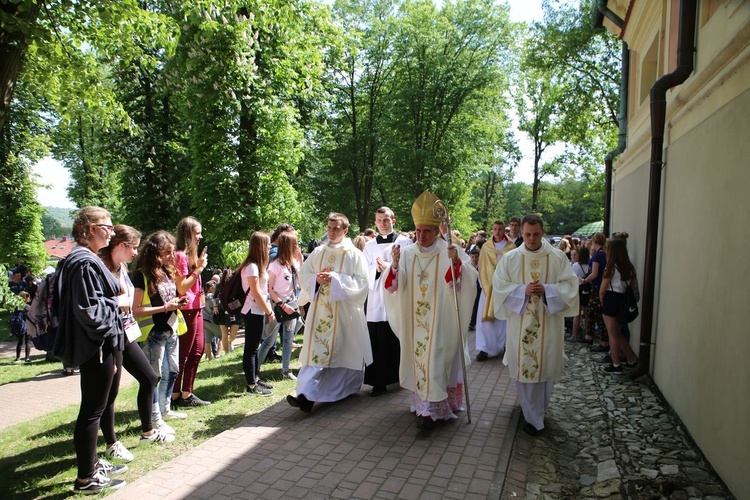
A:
(194, 294)
(250, 305)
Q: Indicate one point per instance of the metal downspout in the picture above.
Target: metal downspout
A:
(685, 65)
(622, 118)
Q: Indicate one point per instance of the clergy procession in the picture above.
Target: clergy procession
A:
(393, 313)
(398, 312)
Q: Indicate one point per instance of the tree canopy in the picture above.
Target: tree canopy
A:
(246, 114)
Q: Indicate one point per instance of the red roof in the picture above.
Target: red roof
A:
(59, 248)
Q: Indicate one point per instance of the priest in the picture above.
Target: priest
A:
(386, 351)
(490, 336)
(336, 347)
(421, 310)
(534, 289)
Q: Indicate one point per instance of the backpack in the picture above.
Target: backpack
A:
(42, 317)
(17, 323)
(232, 295)
(629, 305)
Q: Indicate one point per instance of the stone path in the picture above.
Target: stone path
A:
(609, 437)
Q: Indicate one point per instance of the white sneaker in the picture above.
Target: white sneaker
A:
(118, 452)
(175, 415)
(290, 375)
(165, 427)
(158, 436)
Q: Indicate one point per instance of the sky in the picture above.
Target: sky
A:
(56, 178)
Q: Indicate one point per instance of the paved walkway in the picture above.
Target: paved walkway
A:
(367, 447)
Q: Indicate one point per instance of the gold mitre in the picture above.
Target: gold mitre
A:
(422, 211)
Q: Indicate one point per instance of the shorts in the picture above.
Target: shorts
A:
(611, 303)
(230, 319)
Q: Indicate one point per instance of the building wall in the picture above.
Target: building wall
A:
(701, 339)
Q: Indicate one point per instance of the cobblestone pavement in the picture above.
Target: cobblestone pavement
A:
(607, 436)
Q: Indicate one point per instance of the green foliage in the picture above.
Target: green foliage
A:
(417, 103)
(247, 114)
(51, 227)
(20, 212)
(8, 300)
(233, 253)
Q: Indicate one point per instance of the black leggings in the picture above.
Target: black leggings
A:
(254, 324)
(23, 338)
(134, 360)
(99, 387)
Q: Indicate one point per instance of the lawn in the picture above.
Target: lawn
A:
(37, 457)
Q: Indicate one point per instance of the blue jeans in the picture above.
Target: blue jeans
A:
(287, 337)
(161, 349)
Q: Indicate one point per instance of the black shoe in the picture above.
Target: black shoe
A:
(600, 348)
(629, 366)
(110, 469)
(605, 360)
(292, 401)
(482, 356)
(191, 401)
(96, 484)
(530, 429)
(264, 384)
(378, 390)
(300, 402)
(613, 369)
(425, 423)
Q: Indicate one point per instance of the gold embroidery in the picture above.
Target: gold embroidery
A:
(423, 316)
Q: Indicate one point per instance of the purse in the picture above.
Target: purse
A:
(281, 315)
(628, 307)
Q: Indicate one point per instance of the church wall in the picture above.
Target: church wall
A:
(701, 331)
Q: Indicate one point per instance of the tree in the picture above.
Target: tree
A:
(20, 212)
(243, 72)
(488, 186)
(539, 106)
(51, 227)
(17, 26)
(447, 99)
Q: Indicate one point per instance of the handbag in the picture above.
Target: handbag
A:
(278, 311)
(628, 307)
(281, 315)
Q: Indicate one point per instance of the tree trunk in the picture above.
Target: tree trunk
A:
(13, 46)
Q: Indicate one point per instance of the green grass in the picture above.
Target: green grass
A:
(38, 459)
(11, 372)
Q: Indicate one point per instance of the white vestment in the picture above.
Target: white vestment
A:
(422, 313)
(335, 331)
(373, 250)
(490, 332)
(536, 327)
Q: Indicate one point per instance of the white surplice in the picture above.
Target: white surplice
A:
(335, 331)
(536, 328)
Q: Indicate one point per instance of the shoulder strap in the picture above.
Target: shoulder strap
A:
(146, 300)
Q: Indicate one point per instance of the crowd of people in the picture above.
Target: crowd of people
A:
(382, 309)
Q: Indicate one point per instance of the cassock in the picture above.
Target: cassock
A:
(336, 345)
(536, 327)
(386, 351)
(490, 332)
(422, 313)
